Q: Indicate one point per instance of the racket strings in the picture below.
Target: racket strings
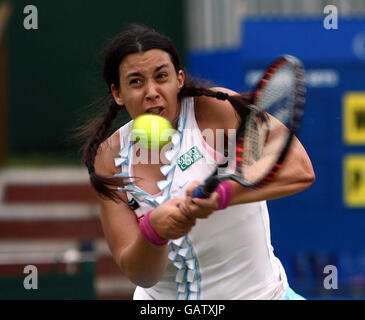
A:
(254, 140)
(265, 139)
(278, 96)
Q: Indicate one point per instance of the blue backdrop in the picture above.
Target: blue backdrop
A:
(315, 224)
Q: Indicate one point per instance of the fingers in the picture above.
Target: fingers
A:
(179, 225)
(187, 208)
(176, 217)
(211, 202)
(199, 208)
(184, 216)
(169, 222)
(206, 206)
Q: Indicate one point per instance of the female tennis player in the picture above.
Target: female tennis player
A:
(171, 245)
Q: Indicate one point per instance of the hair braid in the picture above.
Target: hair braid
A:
(192, 89)
(102, 127)
(238, 101)
(101, 132)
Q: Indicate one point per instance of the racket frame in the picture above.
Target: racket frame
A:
(211, 182)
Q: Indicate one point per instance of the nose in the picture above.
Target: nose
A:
(152, 92)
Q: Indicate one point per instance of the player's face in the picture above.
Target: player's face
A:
(149, 84)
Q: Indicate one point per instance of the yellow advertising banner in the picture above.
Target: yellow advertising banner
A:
(354, 118)
(354, 180)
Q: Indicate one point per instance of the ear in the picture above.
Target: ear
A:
(181, 79)
(116, 94)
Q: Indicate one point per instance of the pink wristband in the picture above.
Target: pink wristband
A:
(224, 191)
(148, 232)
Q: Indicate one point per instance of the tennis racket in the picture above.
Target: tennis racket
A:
(261, 141)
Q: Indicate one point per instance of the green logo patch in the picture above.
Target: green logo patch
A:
(188, 158)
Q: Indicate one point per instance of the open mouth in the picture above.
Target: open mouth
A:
(155, 110)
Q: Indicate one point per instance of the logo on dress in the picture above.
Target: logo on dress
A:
(188, 158)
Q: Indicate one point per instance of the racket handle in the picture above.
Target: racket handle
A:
(199, 192)
(205, 190)
(223, 189)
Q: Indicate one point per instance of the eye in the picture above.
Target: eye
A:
(135, 82)
(162, 76)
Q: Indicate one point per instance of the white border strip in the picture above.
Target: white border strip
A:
(49, 212)
(67, 175)
(114, 286)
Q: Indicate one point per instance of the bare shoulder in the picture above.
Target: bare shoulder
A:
(107, 152)
(213, 113)
(118, 220)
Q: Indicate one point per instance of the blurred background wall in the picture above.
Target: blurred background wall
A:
(50, 74)
(56, 70)
(325, 224)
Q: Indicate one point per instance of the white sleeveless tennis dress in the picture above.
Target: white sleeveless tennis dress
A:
(226, 256)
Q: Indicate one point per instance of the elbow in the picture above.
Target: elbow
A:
(307, 177)
(145, 283)
(312, 177)
(145, 278)
(141, 278)
(309, 173)
(303, 173)
(309, 180)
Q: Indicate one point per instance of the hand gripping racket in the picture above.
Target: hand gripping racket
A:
(266, 128)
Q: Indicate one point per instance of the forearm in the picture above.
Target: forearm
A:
(144, 259)
(272, 191)
(142, 262)
(295, 175)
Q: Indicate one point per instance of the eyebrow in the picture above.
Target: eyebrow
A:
(138, 74)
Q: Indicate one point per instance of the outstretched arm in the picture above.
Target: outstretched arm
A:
(296, 173)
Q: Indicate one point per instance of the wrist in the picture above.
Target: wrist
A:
(149, 233)
(224, 191)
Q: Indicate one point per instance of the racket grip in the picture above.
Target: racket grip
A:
(224, 191)
(200, 193)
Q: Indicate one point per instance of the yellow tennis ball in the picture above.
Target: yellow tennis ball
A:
(152, 131)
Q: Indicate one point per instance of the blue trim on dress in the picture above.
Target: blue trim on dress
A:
(187, 276)
(168, 170)
(181, 253)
